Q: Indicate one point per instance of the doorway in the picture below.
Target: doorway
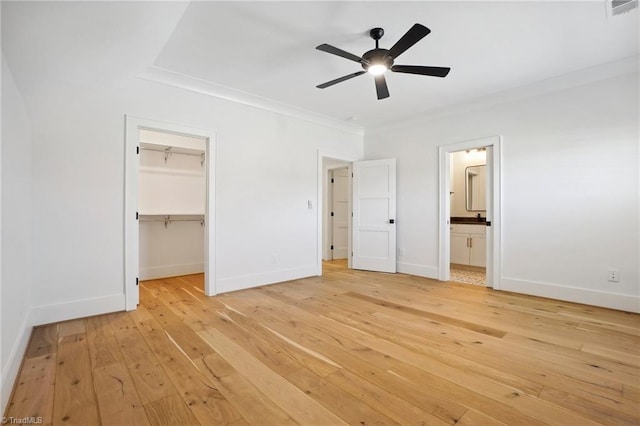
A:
(163, 143)
(338, 213)
(326, 165)
(470, 222)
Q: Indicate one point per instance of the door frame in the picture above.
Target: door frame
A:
(132, 168)
(320, 210)
(494, 210)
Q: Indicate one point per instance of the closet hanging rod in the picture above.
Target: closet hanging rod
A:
(168, 219)
(168, 151)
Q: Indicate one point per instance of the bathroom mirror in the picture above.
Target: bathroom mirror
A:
(475, 188)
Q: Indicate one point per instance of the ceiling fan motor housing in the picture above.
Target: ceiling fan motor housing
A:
(377, 57)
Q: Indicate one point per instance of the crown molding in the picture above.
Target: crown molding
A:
(182, 81)
(628, 65)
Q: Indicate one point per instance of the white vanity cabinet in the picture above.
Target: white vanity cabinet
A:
(468, 244)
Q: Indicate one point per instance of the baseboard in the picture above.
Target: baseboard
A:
(225, 285)
(623, 302)
(46, 314)
(418, 270)
(14, 362)
(170, 271)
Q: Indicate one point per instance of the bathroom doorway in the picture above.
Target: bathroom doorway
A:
(468, 216)
(469, 238)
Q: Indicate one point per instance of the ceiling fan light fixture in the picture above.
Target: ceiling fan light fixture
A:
(377, 69)
(377, 61)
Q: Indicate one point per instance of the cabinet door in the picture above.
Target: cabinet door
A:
(478, 250)
(459, 249)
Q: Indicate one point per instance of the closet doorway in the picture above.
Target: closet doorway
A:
(169, 204)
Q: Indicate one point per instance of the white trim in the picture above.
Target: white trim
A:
(623, 302)
(182, 81)
(320, 205)
(171, 270)
(56, 312)
(494, 254)
(133, 124)
(14, 361)
(242, 282)
(418, 270)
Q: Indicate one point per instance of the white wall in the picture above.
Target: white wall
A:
(16, 261)
(572, 155)
(266, 172)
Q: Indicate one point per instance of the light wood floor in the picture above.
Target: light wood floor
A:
(351, 347)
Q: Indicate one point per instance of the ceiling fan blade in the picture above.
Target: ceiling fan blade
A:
(339, 52)
(339, 80)
(413, 69)
(411, 37)
(381, 87)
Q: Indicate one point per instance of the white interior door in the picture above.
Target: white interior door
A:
(340, 214)
(374, 214)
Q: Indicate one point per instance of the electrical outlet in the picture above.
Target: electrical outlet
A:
(614, 275)
(401, 251)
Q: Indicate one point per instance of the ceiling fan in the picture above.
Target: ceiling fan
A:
(378, 60)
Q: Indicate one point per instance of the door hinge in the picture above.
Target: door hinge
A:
(332, 181)
(331, 247)
(137, 150)
(136, 280)
(137, 216)
(488, 223)
(331, 214)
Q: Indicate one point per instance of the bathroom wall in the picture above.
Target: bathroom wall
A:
(459, 162)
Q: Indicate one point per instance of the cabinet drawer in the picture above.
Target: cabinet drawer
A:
(470, 229)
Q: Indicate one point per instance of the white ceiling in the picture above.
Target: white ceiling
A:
(267, 48)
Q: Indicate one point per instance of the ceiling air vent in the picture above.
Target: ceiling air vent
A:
(617, 7)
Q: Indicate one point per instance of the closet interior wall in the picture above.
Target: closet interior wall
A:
(172, 198)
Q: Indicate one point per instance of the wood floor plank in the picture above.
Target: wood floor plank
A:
(615, 413)
(204, 400)
(117, 396)
(354, 347)
(75, 400)
(103, 346)
(254, 406)
(292, 400)
(44, 341)
(33, 394)
(388, 403)
(150, 379)
(342, 403)
(169, 411)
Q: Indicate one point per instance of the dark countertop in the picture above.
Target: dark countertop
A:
(469, 220)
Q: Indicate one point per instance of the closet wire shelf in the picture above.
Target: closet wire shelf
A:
(168, 219)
